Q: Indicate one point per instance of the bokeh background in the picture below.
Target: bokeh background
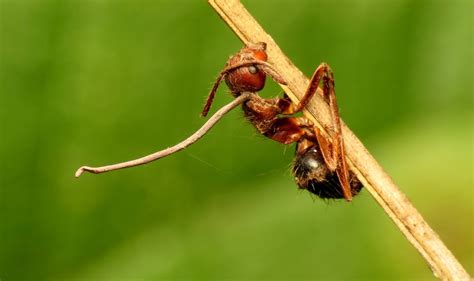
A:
(95, 82)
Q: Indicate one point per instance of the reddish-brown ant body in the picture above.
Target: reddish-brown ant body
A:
(320, 165)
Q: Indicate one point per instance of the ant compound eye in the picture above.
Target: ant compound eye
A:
(253, 69)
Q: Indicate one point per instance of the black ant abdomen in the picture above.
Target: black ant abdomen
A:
(312, 174)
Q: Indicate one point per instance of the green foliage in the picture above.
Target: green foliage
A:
(96, 82)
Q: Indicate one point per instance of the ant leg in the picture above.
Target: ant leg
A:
(323, 70)
(334, 157)
(332, 149)
(327, 150)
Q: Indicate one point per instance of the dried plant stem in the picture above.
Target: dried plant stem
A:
(180, 146)
(442, 262)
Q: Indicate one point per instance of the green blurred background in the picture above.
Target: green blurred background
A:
(95, 82)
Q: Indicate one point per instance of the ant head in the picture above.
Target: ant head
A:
(242, 74)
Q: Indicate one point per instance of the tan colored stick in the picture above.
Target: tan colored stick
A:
(442, 262)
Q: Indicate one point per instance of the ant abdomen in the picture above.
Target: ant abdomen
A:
(312, 174)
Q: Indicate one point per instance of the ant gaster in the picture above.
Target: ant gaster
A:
(319, 165)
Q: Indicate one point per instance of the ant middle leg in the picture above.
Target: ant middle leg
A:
(323, 73)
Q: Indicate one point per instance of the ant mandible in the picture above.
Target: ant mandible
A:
(320, 165)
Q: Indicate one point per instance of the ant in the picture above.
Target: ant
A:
(320, 165)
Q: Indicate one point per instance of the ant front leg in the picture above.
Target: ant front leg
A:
(332, 148)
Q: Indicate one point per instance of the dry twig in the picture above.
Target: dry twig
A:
(442, 262)
(180, 146)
